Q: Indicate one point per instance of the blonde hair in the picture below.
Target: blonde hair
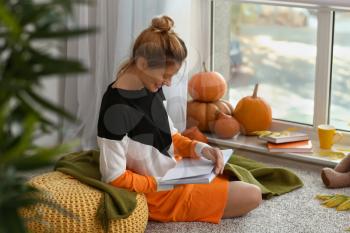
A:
(158, 44)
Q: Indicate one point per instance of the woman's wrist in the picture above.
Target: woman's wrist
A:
(199, 148)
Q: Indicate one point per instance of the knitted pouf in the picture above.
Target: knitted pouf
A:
(83, 201)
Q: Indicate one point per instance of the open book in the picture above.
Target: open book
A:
(193, 171)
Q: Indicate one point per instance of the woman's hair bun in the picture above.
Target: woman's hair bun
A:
(162, 24)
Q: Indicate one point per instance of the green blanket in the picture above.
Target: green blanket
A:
(119, 203)
(272, 180)
(116, 203)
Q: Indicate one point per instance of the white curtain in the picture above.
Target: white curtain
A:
(119, 23)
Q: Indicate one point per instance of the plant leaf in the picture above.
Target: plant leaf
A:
(42, 157)
(9, 20)
(64, 33)
(51, 65)
(23, 143)
(50, 106)
(29, 107)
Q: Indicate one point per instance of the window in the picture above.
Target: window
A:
(340, 84)
(274, 46)
(288, 50)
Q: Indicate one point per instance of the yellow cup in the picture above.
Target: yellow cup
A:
(327, 136)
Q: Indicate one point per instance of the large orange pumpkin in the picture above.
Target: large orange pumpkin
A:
(207, 86)
(203, 115)
(253, 113)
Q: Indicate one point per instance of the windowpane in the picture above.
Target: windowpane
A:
(340, 97)
(271, 45)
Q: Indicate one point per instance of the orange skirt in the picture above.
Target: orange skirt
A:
(190, 202)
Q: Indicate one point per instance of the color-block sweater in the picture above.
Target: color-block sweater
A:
(137, 140)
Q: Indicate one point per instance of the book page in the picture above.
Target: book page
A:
(189, 167)
(186, 168)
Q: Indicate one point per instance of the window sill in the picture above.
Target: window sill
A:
(252, 143)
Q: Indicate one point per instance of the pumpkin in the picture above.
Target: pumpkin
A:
(203, 115)
(195, 134)
(225, 126)
(253, 113)
(207, 86)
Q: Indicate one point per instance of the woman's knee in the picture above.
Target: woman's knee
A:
(243, 198)
(248, 195)
(254, 195)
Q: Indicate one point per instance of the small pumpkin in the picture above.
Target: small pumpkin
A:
(226, 126)
(253, 113)
(203, 115)
(195, 134)
(207, 86)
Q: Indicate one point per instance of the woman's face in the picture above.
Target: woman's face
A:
(155, 78)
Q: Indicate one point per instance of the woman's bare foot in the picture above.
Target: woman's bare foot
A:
(334, 179)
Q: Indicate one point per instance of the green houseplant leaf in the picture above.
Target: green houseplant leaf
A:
(30, 32)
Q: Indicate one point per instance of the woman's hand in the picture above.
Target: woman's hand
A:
(214, 154)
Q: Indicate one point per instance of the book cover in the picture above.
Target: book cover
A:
(193, 171)
(285, 136)
(300, 146)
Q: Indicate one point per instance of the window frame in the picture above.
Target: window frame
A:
(324, 56)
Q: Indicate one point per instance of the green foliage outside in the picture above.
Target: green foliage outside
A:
(26, 26)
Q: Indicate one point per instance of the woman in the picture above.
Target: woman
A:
(138, 142)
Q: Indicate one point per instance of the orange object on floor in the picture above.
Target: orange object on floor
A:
(191, 202)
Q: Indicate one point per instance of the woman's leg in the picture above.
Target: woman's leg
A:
(242, 198)
(338, 177)
(333, 179)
